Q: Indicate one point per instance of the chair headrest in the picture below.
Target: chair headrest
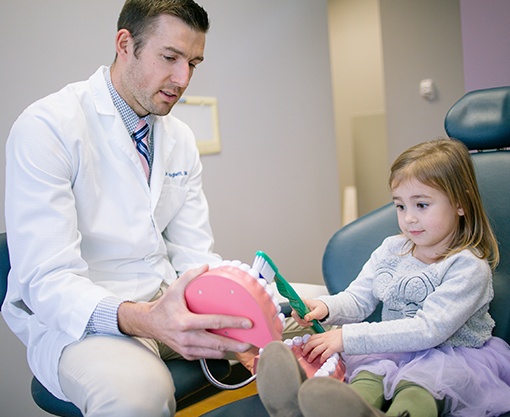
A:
(481, 119)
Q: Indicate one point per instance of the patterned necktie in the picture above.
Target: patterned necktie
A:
(140, 136)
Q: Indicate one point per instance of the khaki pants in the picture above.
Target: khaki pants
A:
(118, 376)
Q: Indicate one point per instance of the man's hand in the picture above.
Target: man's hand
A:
(168, 320)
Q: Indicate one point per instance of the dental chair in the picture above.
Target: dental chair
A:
(191, 385)
(480, 119)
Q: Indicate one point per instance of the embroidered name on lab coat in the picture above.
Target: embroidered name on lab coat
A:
(176, 174)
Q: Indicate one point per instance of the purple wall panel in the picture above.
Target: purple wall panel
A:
(486, 43)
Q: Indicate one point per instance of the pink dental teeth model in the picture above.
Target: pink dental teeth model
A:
(235, 288)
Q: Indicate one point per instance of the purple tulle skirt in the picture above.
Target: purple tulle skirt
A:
(473, 382)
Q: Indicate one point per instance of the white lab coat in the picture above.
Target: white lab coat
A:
(82, 223)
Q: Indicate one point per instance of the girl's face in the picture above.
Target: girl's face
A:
(427, 217)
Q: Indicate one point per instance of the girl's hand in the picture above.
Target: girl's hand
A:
(318, 310)
(324, 345)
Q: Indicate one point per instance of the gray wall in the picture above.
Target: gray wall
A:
(274, 185)
(421, 39)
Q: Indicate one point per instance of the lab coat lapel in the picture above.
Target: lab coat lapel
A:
(121, 139)
(164, 142)
(119, 136)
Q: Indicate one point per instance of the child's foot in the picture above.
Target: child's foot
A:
(325, 397)
(279, 377)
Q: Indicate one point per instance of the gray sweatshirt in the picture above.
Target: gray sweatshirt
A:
(424, 305)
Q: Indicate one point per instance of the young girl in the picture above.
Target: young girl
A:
(432, 353)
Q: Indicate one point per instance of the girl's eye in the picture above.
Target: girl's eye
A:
(169, 58)
(399, 207)
(422, 205)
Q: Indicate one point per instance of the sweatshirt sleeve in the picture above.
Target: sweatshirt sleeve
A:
(357, 301)
(457, 308)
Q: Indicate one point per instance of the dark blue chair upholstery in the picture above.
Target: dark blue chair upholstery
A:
(190, 383)
(481, 119)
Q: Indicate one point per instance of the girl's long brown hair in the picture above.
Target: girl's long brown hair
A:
(446, 165)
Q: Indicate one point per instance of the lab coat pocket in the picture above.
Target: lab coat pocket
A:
(170, 201)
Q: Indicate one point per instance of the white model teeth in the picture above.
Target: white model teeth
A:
(254, 273)
(297, 340)
(245, 267)
(328, 368)
(276, 302)
(281, 316)
(262, 282)
(216, 264)
(321, 372)
(334, 358)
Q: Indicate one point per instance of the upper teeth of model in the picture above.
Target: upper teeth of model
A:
(255, 274)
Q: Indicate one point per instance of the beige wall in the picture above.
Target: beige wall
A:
(358, 84)
(380, 51)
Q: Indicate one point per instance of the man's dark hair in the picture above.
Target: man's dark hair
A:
(138, 16)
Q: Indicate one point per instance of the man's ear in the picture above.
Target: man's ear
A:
(123, 42)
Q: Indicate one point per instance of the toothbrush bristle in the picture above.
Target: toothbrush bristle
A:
(264, 268)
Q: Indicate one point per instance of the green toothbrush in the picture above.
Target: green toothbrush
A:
(268, 270)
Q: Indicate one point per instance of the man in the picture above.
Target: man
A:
(104, 210)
